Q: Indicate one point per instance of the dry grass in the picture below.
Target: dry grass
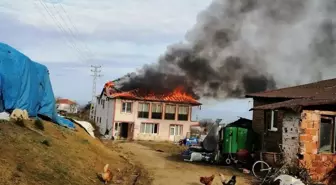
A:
(56, 155)
(166, 147)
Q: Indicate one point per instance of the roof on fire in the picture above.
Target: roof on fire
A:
(111, 91)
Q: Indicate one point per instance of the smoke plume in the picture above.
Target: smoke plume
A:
(245, 46)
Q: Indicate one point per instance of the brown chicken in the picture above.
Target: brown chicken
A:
(207, 180)
(226, 181)
(106, 176)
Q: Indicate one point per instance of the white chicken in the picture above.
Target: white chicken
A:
(288, 180)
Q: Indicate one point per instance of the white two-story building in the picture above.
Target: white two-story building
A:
(143, 117)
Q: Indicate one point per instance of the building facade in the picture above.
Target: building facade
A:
(129, 115)
(143, 120)
(66, 106)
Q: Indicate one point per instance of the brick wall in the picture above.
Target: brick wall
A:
(318, 164)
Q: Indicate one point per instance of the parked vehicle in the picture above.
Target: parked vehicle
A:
(232, 144)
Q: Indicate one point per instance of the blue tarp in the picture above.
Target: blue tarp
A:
(25, 84)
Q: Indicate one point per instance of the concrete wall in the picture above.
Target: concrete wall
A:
(105, 114)
(163, 125)
(318, 164)
(290, 134)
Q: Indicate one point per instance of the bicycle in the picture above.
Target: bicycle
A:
(272, 172)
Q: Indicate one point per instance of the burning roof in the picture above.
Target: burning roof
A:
(176, 96)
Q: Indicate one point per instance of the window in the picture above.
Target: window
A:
(99, 119)
(103, 103)
(127, 107)
(272, 120)
(183, 113)
(156, 111)
(143, 110)
(149, 128)
(327, 135)
(170, 112)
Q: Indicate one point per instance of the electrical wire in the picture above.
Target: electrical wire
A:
(62, 29)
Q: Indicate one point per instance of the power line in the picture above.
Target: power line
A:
(96, 70)
(71, 30)
(75, 29)
(59, 25)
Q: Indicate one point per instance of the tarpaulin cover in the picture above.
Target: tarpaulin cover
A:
(25, 85)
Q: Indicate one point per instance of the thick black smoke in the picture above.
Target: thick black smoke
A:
(246, 46)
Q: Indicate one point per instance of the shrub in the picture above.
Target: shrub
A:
(39, 124)
(19, 122)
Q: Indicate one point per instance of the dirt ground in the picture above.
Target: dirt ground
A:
(57, 155)
(165, 168)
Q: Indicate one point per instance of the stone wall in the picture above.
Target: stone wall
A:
(318, 164)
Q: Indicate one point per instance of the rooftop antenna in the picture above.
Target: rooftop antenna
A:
(96, 70)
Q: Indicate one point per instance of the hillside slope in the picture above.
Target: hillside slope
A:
(57, 155)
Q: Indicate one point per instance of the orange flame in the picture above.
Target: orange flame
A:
(109, 84)
(179, 94)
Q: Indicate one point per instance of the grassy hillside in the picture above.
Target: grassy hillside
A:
(48, 154)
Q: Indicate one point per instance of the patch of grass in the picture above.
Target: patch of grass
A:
(39, 124)
(19, 167)
(3, 121)
(85, 141)
(19, 122)
(61, 169)
(46, 142)
(44, 176)
(166, 147)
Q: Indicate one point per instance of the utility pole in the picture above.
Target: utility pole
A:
(96, 74)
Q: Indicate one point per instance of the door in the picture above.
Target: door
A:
(175, 132)
(130, 131)
(172, 133)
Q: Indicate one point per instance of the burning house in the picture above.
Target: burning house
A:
(142, 115)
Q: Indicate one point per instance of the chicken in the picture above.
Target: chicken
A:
(106, 176)
(288, 180)
(224, 181)
(207, 180)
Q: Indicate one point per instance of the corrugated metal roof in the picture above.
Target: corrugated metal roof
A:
(296, 104)
(325, 96)
(301, 91)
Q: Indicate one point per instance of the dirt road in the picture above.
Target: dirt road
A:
(167, 171)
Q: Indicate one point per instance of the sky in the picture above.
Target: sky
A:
(68, 36)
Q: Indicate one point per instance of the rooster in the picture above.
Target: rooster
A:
(224, 181)
(106, 176)
(207, 180)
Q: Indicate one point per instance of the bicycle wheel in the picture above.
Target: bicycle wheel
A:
(260, 169)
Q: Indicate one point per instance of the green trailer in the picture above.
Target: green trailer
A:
(236, 136)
